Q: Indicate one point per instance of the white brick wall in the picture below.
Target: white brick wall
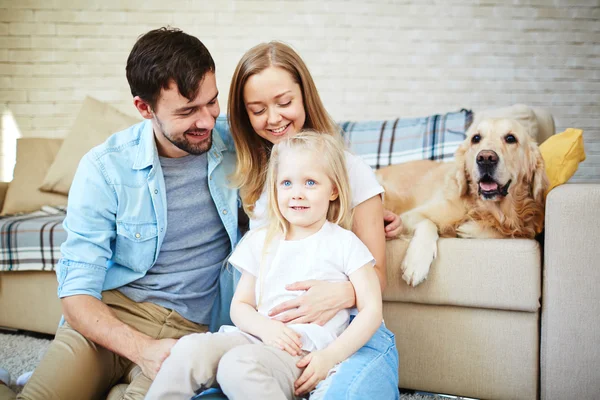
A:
(371, 59)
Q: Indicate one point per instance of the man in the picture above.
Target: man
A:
(150, 221)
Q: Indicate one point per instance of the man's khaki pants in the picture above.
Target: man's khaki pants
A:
(75, 368)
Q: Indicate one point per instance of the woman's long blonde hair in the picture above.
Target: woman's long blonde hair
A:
(252, 150)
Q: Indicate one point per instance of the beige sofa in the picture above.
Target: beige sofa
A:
(495, 319)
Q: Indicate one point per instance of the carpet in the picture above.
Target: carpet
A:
(20, 353)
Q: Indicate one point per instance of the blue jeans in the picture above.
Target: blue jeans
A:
(371, 373)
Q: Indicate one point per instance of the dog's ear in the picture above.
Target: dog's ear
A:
(539, 179)
(461, 174)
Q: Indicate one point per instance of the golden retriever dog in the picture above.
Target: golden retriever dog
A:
(494, 188)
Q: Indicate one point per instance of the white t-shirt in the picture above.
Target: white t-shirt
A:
(363, 186)
(331, 254)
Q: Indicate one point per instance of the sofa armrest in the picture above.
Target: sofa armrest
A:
(3, 190)
(570, 337)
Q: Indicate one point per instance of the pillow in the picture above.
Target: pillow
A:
(562, 154)
(34, 156)
(520, 112)
(383, 143)
(95, 122)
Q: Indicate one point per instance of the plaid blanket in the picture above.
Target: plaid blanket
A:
(31, 242)
(383, 143)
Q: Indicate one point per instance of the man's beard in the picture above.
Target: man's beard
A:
(184, 144)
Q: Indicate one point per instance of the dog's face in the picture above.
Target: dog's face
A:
(497, 156)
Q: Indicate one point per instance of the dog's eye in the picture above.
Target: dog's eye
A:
(476, 138)
(510, 138)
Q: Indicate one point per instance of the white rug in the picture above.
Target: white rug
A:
(21, 353)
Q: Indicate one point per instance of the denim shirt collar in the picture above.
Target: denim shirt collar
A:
(147, 153)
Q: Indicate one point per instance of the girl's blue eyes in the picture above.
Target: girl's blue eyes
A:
(309, 183)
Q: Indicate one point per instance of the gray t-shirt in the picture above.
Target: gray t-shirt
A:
(186, 274)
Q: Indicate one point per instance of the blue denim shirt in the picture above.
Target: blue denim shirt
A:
(117, 217)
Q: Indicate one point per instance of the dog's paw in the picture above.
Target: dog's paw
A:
(419, 256)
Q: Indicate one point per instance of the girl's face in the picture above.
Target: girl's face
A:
(274, 104)
(304, 191)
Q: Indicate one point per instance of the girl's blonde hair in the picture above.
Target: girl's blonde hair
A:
(330, 152)
(252, 150)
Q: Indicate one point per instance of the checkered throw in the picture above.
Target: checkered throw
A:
(383, 143)
(31, 242)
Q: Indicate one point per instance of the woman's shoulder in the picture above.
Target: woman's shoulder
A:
(356, 165)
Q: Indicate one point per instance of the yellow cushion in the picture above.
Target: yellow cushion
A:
(562, 154)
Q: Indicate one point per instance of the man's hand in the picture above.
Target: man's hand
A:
(393, 224)
(317, 366)
(276, 334)
(152, 355)
(319, 304)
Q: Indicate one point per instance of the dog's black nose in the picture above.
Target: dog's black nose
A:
(487, 158)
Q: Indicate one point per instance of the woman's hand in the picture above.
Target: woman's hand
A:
(393, 224)
(276, 334)
(318, 305)
(317, 365)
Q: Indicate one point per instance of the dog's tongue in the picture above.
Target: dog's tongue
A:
(488, 186)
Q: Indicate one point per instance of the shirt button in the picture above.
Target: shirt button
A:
(162, 229)
(155, 191)
(224, 212)
(137, 235)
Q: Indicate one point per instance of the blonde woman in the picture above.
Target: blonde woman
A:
(272, 97)
(262, 358)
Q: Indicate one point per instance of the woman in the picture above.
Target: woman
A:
(273, 95)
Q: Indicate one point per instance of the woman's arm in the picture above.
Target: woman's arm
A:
(368, 226)
(366, 323)
(323, 300)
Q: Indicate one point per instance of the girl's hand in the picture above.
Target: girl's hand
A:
(319, 304)
(393, 224)
(317, 365)
(276, 334)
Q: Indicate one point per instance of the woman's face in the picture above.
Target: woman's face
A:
(274, 104)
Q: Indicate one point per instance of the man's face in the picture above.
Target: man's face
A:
(181, 126)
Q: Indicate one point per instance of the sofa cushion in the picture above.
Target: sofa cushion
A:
(483, 273)
(562, 154)
(34, 156)
(31, 242)
(386, 142)
(95, 122)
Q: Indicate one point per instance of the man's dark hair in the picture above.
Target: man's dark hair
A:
(164, 55)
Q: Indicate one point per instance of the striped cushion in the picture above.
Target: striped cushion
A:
(382, 143)
(31, 242)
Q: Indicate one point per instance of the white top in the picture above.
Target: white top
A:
(363, 186)
(331, 254)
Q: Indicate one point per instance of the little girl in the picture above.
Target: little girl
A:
(306, 238)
